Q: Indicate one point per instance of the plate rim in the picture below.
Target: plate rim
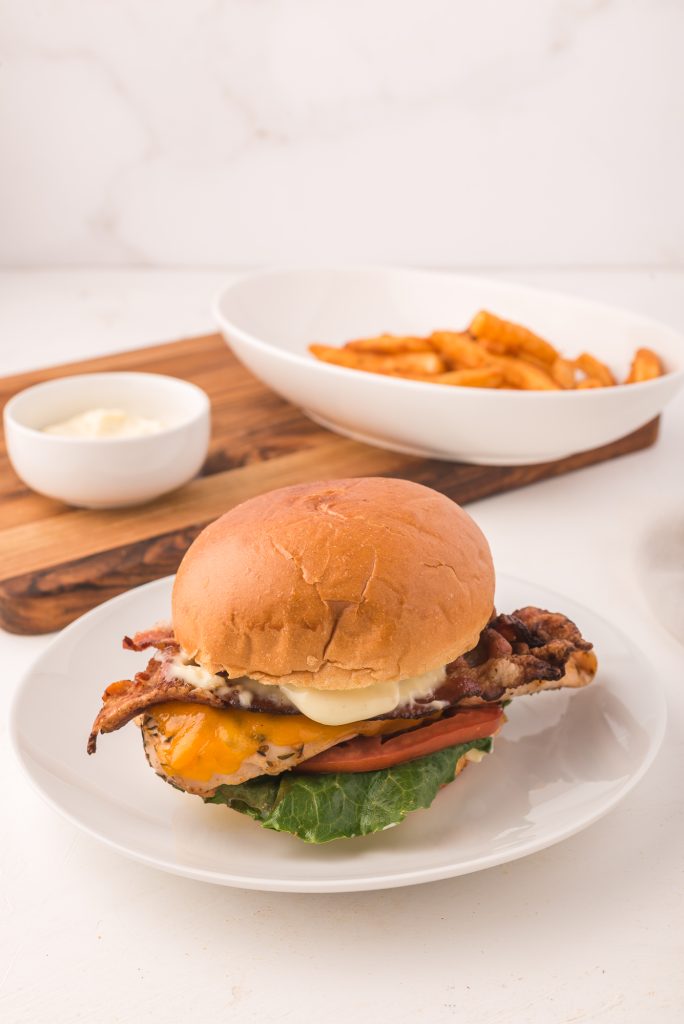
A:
(415, 876)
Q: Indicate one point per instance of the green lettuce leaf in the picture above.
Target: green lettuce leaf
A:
(319, 808)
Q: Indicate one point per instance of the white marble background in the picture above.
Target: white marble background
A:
(217, 133)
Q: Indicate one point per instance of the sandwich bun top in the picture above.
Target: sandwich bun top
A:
(335, 585)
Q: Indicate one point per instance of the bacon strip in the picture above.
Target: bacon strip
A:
(527, 651)
(531, 646)
(124, 700)
(160, 636)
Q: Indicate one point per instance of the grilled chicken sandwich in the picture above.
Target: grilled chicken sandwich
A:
(335, 658)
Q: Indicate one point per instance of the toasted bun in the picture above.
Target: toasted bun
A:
(335, 585)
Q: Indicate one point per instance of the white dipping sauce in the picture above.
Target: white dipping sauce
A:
(105, 423)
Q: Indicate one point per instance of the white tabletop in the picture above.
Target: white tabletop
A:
(592, 929)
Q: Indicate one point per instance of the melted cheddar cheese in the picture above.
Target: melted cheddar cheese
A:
(198, 742)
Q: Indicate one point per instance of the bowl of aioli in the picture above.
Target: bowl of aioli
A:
(108, 440)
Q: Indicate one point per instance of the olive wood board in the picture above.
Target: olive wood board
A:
(56, 562)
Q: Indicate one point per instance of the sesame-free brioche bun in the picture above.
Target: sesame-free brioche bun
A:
(335, 585)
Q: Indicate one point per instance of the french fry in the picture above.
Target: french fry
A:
(594, 368)
(459, 350)
(495, 347)
(479, 377)
(409, 362)
(340, 356)
(461, 353)
(511, 337)
(524, 375)
(493, 353)
(645, 366)
(390, 344)
(416, 362)
(563, 372)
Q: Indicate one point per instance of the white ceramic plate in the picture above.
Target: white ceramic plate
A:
(271, 317)
(563, 760)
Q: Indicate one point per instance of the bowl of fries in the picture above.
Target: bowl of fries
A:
(450, 366)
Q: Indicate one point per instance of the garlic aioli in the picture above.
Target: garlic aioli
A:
(327, 707)
(195, 675)
(103, 423)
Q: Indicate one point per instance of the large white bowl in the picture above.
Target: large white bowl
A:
(270, 318)
(108, 472)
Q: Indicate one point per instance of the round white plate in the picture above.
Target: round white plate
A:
(563, 760)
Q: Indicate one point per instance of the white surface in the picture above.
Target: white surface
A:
(443, 132)
(562, 761)
(269, 319)
(589, 930)
(108, 472)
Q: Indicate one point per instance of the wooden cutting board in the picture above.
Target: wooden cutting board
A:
(56, 562)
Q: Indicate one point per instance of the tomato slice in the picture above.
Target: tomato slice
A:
(370, 753)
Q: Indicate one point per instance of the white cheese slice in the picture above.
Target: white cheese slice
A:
(338, 707)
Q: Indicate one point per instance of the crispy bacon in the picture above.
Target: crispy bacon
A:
(527, 651)
(124, 700)
(531, 646)
(160, 636)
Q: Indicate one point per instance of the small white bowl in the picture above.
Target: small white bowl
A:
(108, 472)
(270, 318)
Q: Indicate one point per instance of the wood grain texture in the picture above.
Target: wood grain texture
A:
(57, 562)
